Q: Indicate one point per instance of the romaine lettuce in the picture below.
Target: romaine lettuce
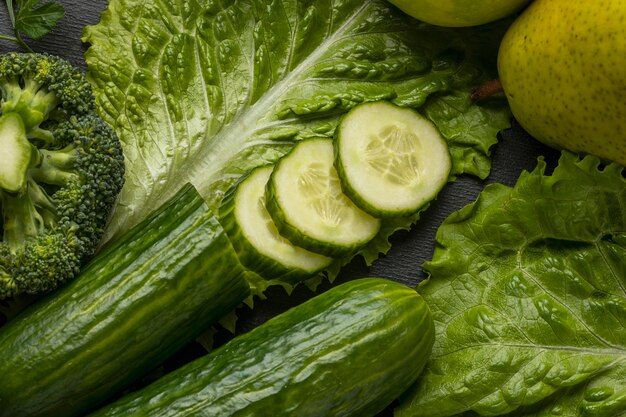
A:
(528, 291)
(204, 90)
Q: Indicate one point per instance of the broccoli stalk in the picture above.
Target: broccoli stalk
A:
(19, 152)
(56, 167)
(31, 211)
(60, 172)
(33, 102)
(23, 219)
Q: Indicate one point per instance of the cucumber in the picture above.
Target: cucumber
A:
(138, 302)
(391, 160)
(347, 352)
(305, 200)
(254, 235)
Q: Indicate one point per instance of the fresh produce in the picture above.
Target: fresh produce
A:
(174, 259)
(256, 239)
(562, 70)
(132, 307)
(347, 352)
(391, 161)
(33, 19)
(196, 95)
(306, 203)
(528, 293)
(211, 137)
(61, 170)
(288, 221)
(459, 13)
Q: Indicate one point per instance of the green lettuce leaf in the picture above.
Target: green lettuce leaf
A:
(205, 90)
(528, 291)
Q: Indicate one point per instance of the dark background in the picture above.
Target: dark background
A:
(515, 152)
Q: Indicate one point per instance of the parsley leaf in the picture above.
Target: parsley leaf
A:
(33, 19)
(36, 20)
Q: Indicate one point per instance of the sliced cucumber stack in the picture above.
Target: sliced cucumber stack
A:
(326, 199)
(391, 160)
(305, 200)
(255, 238)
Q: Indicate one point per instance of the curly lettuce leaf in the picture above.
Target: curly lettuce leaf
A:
(205, 90)
(528, 291)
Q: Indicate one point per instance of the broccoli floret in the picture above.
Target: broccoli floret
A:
(61, 169)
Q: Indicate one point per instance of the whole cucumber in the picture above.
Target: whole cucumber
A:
(347, 352)
(138, 302)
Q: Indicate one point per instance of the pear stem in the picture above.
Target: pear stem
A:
(486, 90)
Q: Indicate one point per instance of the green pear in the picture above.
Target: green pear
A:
(459, 13)
(562, 65)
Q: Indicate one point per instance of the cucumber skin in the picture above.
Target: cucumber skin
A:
(156, 290)
(250, 257)
(347, 352)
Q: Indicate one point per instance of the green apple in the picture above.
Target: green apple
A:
(458, 13)
(562, 65)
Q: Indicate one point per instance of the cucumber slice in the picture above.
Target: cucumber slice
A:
(391, 160)
(305, 200)
(255, 238)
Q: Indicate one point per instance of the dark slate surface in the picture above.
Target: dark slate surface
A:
(515, 152)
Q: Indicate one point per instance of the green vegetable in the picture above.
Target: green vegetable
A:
(206, 91)
(255, 237)
(391, 161)
(33, 19)
(347, 352)
(61, 170)
(528, 290)
(133, 306)
(306, 203)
